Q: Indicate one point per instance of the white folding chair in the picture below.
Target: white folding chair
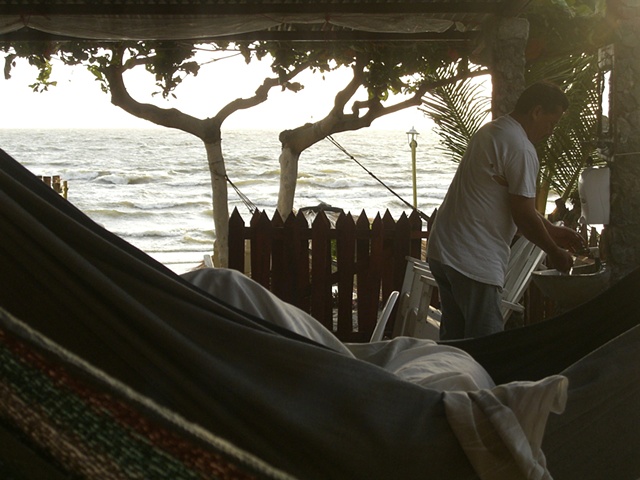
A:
(413, 290)
(378, 331)
(418, 318)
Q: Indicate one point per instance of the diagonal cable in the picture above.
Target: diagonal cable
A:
(344, 150)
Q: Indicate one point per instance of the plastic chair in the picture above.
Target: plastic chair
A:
(416, 316)
(410, 295)
(378, 331)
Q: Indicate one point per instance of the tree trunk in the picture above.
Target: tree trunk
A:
(209, 131)
(219, 193)
(288, 178)
(295, 141)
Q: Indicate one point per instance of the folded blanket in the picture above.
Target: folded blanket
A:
(501, 429)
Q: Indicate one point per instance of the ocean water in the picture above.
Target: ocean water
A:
(152, 187)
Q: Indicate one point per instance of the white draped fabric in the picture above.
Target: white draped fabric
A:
(174, 27)
(500, 428)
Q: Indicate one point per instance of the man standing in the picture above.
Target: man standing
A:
(491, 197)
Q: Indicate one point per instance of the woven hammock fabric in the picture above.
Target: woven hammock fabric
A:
(94, 427)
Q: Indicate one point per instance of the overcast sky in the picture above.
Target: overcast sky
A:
(78, 102)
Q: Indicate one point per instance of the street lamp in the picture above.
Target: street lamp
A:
(411, 138)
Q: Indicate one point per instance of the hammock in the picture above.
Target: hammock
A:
(297, 405)
(92, 426)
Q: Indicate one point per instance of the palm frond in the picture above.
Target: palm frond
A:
(573, 144)
(458, 109)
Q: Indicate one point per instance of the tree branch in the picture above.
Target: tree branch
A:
(300, 138)
(171, 118)
(349, 91)
(416, 98)
(261, 93)
(336, 121)
(135, 61)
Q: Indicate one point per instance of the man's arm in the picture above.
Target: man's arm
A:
(563, 236)
(548, 237)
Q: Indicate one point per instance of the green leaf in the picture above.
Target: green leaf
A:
(458, 109)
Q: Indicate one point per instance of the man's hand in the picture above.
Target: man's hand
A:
(553, 239)
(566, 238)
(561, 259)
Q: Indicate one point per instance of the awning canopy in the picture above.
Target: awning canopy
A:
(428, 20)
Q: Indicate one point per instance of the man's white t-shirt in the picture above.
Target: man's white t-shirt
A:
(474, 226)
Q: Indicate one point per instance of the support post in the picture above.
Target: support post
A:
(622, 236)
(507, 40)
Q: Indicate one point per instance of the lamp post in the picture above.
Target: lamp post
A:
(411, 138)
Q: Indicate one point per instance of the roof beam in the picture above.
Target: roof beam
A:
(248, 7)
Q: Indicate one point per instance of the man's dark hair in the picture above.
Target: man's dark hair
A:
(545, 94)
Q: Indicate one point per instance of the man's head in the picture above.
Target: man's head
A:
(539, 109)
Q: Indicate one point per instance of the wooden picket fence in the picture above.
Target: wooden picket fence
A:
(340, 275)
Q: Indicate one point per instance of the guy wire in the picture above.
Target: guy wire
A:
(341, 148)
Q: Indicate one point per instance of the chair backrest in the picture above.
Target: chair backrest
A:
(378, 331)
(410, 293)
(524, 260)
(418, 284)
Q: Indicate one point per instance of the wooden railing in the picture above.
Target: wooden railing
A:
(60, 186)
(340, 275)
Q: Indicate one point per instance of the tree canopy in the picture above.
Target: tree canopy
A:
(381, 69)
